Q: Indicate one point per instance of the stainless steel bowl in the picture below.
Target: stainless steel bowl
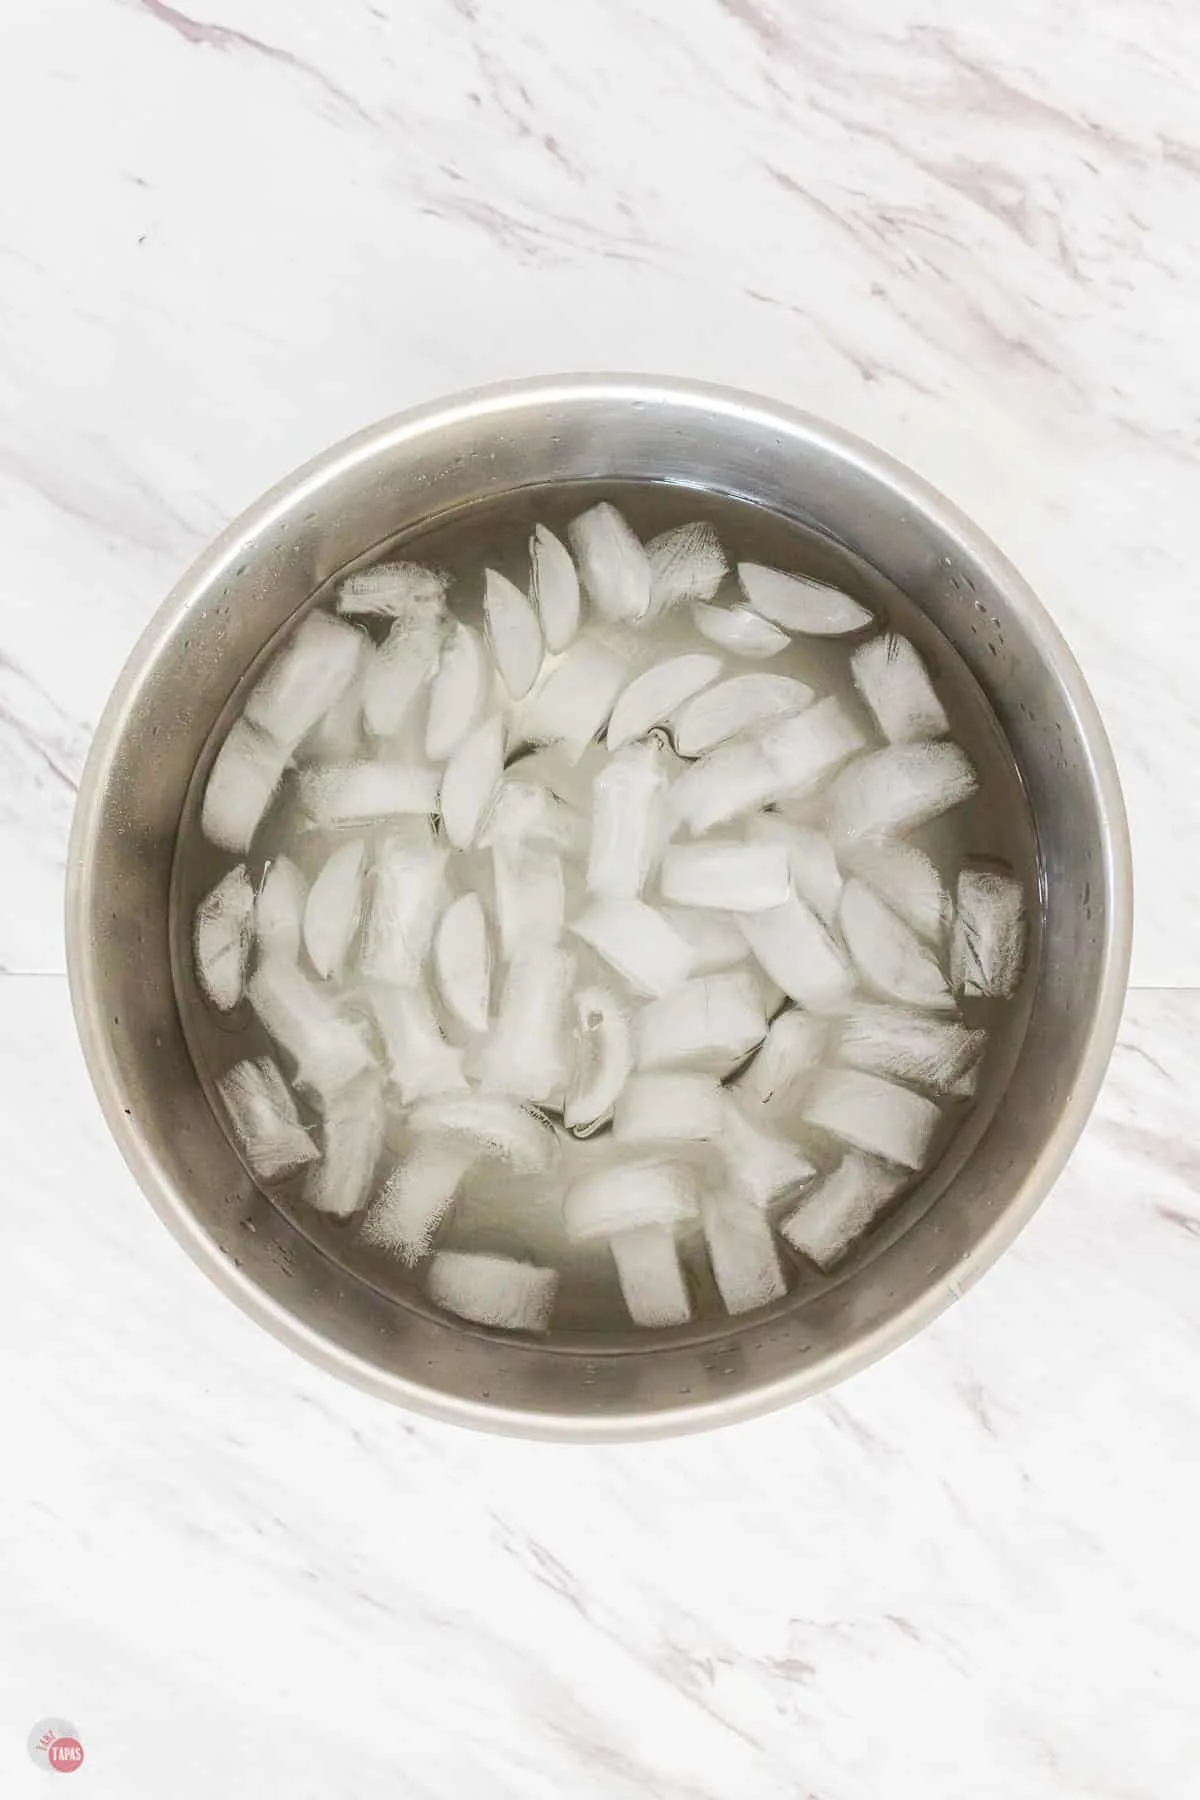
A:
(414, 468)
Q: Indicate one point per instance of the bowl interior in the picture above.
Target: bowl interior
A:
(270, 563)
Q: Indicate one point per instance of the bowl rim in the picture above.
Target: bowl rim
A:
(509, 398)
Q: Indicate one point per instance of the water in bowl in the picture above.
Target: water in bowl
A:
(519, 1216)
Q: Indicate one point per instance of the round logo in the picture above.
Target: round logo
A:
(65, 1753)
(54, 1744)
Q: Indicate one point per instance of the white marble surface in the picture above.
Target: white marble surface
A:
(970, 1571)
(231, 233)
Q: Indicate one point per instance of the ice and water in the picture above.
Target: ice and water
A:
(590, 966)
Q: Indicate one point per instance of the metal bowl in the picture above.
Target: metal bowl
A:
(414, 468)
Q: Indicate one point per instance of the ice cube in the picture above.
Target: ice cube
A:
(798, 953)
(686, 563)
(402, 908)
(714, 938)
(742, 1252)
(710, 1022)
(839, 1209)
(873, 1115)
(352, 1139)
(555, 588)
(731, 780)
(761, 1167)
(798, 603)
(458, 692)
(895, 684)
(896, 789)
(778, 1078)
(221, 939)
(530, 896)
(742, 703)
(552, 766)
(660, 1108)
(470, 780)
(738, 630)
(493, 1290)
(906, 879)
(805, 750)
(737, 878)
(987, 948)
(462, 961)
(264, 1119)
(638, 943)
(567, 777)
(527, 1052)
(909, 1046)
(241, 786)
(338, 737)
(304, 679)
(603, 1057)
(401, 670)
(623, 1196)
(628, 822)
(279, 910)
(653, 696)
(304, 1019)
(334, 909)
(525, 811)
(613, 564)
(420, 1062)
(497, 1127)
(367, 793)
(812, 862)
(416, 1197)
(773, 997)
(576, 697)
(785, 760)
(396, 590)
(888, 953)
(651, 1278)
(513, 631)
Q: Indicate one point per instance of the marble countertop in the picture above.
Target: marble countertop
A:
(232, 231)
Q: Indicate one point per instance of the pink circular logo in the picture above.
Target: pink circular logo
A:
(66, 1754)
(54, 1744)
